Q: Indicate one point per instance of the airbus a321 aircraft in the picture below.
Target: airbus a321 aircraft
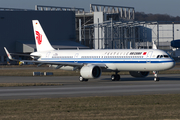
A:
(92, 62)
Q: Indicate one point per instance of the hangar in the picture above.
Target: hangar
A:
(113, 27)
(16, 31)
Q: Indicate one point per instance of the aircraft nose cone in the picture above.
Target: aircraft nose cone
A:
(172, 64)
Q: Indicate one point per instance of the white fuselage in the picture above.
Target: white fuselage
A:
(114, 59)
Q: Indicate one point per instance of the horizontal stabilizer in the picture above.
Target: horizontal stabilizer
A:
(24, 55)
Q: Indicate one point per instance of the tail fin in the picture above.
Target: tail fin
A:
(42, 43)
(8, 54)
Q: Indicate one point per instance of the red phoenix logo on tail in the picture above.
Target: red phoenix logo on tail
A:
(38, 37)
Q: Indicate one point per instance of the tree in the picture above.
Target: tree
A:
(141, 16)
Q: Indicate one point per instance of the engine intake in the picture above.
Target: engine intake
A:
(90, 71)
(138, 73)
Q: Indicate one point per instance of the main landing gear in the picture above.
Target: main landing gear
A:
(81, 79)
(115, 77)
(156, 78)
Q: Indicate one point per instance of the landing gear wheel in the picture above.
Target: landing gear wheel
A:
(81, 79)
(115, 77)
(156, 79)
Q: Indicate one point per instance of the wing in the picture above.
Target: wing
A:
(40, 62)
(59, 63)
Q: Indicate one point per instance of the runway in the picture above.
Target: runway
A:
(103, 86)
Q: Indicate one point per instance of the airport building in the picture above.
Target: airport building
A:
(113, 27)
(16, 31)
(103, 27)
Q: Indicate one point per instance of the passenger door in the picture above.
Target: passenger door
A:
(76, 58)
(148, 57)
(48, 54)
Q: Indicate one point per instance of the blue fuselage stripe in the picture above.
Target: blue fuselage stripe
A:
(107, 61)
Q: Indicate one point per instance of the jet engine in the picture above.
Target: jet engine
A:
(90, 71)
(138, 73)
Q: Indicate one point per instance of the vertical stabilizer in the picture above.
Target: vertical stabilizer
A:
(9, 55)
(42, 43)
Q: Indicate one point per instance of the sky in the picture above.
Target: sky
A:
(170, 7)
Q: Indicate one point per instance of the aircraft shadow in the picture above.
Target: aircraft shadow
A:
(146, 79)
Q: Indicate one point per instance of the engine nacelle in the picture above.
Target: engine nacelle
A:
(139, 73)
(90, 71)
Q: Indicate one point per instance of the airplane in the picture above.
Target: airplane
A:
(92, 62)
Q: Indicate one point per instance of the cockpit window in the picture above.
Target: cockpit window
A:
(166, 56)
(163, 56)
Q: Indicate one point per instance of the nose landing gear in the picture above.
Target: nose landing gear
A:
(156, 78)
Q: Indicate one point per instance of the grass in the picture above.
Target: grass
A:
(29, 72)
(139, 107)
(28, 84)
